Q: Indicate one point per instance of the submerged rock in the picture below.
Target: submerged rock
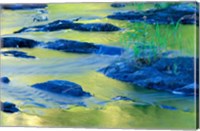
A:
(18, 42)
(117, 98)
(168, 107)
(67, 24)
(109, 50)
(40, 17)
(82, 47)
(8, 107)
(60, 45)
(62, 87)
(168, 74)
(17, 54)
(5, 80)
(53, 26)
(118, 5)
(183, 13)
(190, 89)
(22, 6)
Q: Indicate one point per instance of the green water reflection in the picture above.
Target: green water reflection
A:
(81, 69)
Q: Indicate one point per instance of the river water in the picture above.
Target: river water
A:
(39, 108)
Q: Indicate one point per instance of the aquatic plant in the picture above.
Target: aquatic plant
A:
(146, 47)
(139, 6)
(137, 41)
(175, 69)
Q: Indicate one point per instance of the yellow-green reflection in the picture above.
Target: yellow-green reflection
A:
(115, 115)
(81, 69)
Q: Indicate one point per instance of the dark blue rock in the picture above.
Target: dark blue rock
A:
(9, 107)
(60, 45)
(183, 13)
(53, 26)
(118, 5)
(71, 46)
(167, 74)
(82, 47)
(62, 87)
(109, 50)
(18, 42)
(182, 64)
(117, 98)
(22, 6)
(96, 27)
(5, 80)
(184, 8)
(190, 89)
(120, 70)
(18, 54)
(67, 24)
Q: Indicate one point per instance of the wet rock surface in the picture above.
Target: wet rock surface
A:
(62, 87)
(71, 46)
(167, 74)
(118, 5)
(8, 107)
(17, 42)
(82, 47)
(183, 13)
(5, 80)
(190, 89)
(53, 26)
(59, 45)
(109, 50)
(67, 24)
(18, 54)
(23, 6)
(96, 27)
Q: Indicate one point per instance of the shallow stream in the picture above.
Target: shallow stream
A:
(39, 108)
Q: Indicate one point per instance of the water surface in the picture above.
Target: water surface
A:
(39, 108)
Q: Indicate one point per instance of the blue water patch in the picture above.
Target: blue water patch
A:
(168, 107)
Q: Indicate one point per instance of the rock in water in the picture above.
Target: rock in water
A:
(67, 24)
(8, 107)
(96, 27)
(19, 54)
(23, 6)
(168, 74)
(109, 50)
(53, 26)
(5, 80)
(62, 87)
(18, 42)
(183, 13)
(71, 46)
(168, 107)
(82, 47)
(117, 98)
(118, 5)
(190, 89)
(60, 45)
